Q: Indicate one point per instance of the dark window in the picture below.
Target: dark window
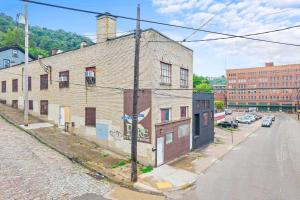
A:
(205, 119)
(165, 114)
(90, 116)
(44, 107)
(29, 83)
(30, 102)
(197, 124)
(184, 112)
(14, 53)
(15, 85)
(3, 101)
(44, 82)
(184, 77)
(165, 73)
(90, 76)
(64, 79)
(3, 86)
(6, 63)
(14, 104)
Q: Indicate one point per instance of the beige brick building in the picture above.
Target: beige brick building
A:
(91, 88)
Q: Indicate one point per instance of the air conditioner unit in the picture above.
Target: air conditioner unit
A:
(63, 78)
(90, 74)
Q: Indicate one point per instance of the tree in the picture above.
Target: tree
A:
(219, 105)
(203, 87)
(201, 84)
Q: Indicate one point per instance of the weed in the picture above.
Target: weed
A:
(146, 169)
(119, 164)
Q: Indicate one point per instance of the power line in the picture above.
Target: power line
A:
(207, 21)
(159, 23)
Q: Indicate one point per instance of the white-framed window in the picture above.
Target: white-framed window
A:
(169, 138)
(6, 63)
(184, 77)
(165, 73)
(165, 114)
(14, 53)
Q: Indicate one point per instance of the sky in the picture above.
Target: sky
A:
(212, 58)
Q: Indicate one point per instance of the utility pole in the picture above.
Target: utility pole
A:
(135, 100)
(298, 106)
(25, 79)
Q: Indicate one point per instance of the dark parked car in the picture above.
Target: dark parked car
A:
(228, 124)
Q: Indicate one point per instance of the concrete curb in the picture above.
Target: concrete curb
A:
(75, 160)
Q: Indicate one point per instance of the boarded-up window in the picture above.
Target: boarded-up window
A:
(90, 116)
(64, 79)
(14, 104)
(205, 119)
(3, 86)
(29, 83)
(15, 85)
(44, 82)
(90, 76)
(183, 111)
(44, 107)
(30, 102)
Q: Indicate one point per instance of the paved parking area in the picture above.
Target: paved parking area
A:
(30, 170)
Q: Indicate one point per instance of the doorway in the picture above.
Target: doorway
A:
(64, 115)
(160, 151)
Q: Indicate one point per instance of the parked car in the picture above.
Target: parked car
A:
(266, 123)
(228, 111)
(243, 120)
(228, 124)
(272, 117)
(257, 115)
(251, 117)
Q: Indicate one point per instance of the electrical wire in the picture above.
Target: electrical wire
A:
(159, 23)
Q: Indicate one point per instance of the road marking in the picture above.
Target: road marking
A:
(236, 148)
(253, 135)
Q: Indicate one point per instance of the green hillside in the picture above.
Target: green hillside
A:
(41, 40)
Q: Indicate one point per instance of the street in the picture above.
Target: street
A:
(266, 166)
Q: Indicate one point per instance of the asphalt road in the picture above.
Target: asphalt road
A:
(265, 167)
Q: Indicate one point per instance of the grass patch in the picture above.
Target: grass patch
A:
(104, 154)
(146, 169)
(119, 164)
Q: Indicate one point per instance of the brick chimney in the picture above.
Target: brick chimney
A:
(53, 52)
(106, 27)
(269, 64)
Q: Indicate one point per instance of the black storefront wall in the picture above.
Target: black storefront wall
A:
(203, 119)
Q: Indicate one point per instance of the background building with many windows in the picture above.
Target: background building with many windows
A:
(268, 88)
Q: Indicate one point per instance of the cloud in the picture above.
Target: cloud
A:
(242, 17)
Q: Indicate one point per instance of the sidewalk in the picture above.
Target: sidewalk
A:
(183, 172)
(98, 160)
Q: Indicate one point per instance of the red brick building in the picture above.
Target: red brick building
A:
(268, 88)
(219, 92)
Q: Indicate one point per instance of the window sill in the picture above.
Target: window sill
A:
(184, 86)
(165, 84)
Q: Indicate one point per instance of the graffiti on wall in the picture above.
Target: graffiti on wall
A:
(144, 116)
(117, 135)
(103, 131)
